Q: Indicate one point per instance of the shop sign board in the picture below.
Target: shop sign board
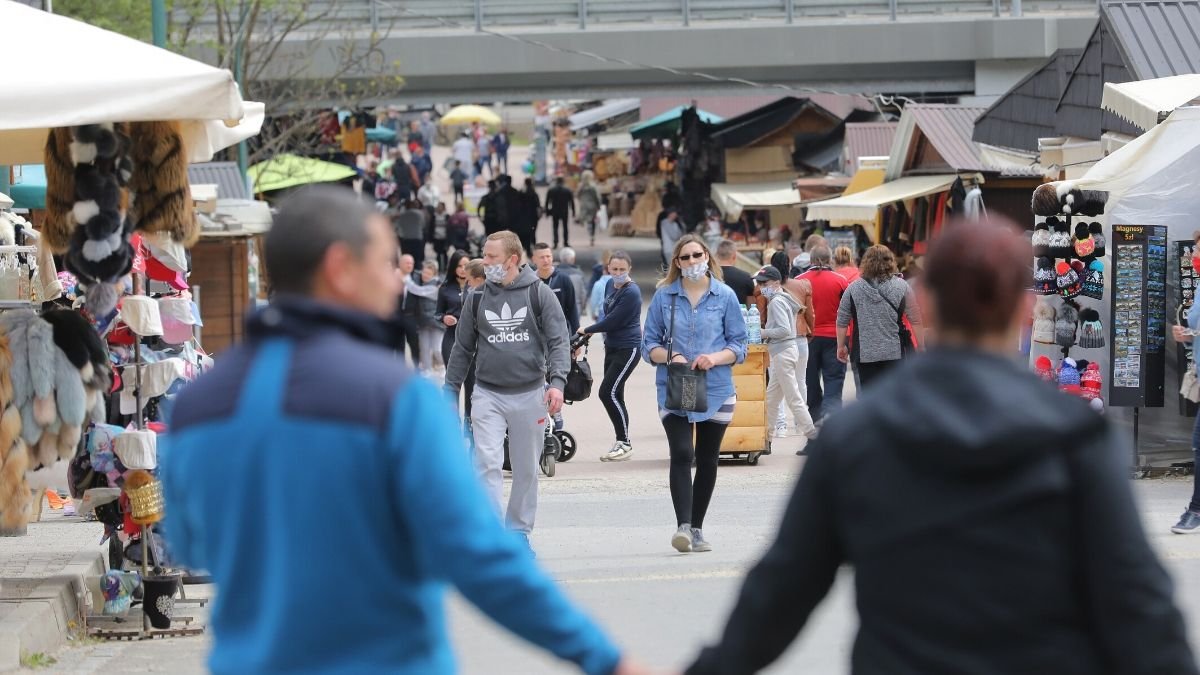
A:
(1138, 326)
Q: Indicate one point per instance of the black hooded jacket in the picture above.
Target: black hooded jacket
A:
(991, 527)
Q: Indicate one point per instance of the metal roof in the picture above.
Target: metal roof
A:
(1027, 112)
(867, 139)
(225, 175)
(948, 128)
(603, 112)
(1157, 38)
(752, 126)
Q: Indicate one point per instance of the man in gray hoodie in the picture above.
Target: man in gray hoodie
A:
(783, 348)
(515, 332)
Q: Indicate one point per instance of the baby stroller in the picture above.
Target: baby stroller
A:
(557, 446)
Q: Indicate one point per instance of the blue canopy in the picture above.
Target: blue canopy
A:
(666, 125)
(29, 190)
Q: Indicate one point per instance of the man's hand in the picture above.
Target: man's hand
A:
(449, 320)
(703, 362)
(1181, 334)
(554, 400)
(843, 354)
(581, 331)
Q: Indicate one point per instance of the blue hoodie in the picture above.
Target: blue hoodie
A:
(266, 470)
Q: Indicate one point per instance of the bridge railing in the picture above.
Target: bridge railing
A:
(500, 14)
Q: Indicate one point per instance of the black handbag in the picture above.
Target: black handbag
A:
(687, 389)
(579, 380)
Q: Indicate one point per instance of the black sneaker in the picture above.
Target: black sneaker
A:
(1189, 523)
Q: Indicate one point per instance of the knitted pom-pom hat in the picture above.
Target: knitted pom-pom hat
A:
(1061, 243)
(1085, 246)
(1097, 233)
(1045, 281)
(1069, 284)
(1091, 381)
(1044, 369)
(1065, 325)
(1093, 280)
(1041, 239)
(1091, 333)
(1068, 374)
(1043, 323)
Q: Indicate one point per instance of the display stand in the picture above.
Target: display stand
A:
(747, 436)
(1189, 282)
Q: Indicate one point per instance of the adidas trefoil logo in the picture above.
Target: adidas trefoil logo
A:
(506, 322)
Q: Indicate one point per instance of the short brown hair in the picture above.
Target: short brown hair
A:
(512, 243)
(475, 269)
(976, 275)
(813, 241)
(878, 264)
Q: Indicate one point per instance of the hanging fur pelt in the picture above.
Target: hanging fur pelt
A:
(14, 458)
(99, 252)
(162, 197)
(86, 352)
(60, 191)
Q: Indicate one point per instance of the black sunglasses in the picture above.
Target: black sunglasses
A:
(690, 256)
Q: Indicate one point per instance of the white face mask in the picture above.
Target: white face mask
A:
(619, 279)
(695, 272)
(494, 273)
(769, 292)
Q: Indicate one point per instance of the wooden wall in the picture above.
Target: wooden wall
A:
(221, 268)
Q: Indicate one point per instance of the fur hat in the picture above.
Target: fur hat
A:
(1097, 232)
(1045, 281)
(1041, 239)
(1093, 280)
(1080, 202)
(1091, 333)
(1061, 245)
(1043, 323)
(1068, 374)
(1068, 281)
(1065, 325)
(160, 181)
(1044, 369)
(1085, 246)
(1045, 200)
(1091, 382)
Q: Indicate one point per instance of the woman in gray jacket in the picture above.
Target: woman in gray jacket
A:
(877, 304)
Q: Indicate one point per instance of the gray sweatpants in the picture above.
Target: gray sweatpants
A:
(523, 416)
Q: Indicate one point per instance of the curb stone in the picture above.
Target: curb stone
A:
(44, 621)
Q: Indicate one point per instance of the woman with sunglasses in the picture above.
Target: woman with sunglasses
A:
(709, 335)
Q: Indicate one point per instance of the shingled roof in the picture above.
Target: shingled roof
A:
(1027, 112)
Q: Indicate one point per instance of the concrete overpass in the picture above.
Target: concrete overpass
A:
(488, 50)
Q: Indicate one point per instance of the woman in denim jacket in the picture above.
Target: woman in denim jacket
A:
(710, 334)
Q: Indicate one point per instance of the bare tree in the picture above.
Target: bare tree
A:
(299, 57)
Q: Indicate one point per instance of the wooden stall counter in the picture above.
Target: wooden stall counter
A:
(747, 436)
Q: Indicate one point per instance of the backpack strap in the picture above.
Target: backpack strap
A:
(535, 303)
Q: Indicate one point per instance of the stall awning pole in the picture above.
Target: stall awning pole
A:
(158, 22)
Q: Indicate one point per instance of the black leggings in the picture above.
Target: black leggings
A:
(691, 498)
(618, 366)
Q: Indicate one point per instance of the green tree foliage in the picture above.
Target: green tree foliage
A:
(127, 17)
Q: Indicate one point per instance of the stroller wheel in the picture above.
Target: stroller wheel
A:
(550, 453)
(567, 441)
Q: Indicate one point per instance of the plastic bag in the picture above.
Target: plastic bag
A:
(602, 219)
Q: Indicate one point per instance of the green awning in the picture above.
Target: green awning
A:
(666, 125)
(286, 171)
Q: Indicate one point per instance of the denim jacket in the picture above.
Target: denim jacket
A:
(714, 324)
(1193, 322)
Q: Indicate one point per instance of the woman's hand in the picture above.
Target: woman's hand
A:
(449, 320)
(704, 362)
(1181, 334)
(581, 331)
(679, 358)
(843, 354)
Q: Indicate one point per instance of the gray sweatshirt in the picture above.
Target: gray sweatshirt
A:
(513, 350)
(876, 331)
(780, 331)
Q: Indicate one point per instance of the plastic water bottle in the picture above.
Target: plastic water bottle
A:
(754, 330)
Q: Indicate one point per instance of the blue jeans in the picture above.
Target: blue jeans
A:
(1195, 505)
(824, 369)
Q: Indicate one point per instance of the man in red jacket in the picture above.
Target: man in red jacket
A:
(823, 365)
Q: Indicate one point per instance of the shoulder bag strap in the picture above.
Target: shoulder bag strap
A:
(671, 332)
(899, 310)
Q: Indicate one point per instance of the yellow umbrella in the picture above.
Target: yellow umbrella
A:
(465, 114)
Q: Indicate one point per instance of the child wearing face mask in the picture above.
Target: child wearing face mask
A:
(784, 347)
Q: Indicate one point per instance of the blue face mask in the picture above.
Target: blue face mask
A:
(619, 279)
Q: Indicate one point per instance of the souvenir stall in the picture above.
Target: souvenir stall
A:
(118, 208)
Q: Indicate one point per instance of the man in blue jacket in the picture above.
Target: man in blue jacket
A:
(267, 454)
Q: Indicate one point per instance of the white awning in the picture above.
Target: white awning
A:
(1144, 101)
(106, 77)
(621, 140)
(607, 110)
(733, 199)
(863, 206)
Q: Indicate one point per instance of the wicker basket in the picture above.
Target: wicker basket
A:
(146, 503)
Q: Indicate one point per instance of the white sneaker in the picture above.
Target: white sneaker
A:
(620, 452)
(781, 431)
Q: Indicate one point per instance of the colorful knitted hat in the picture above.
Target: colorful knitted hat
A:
(1093, 280)
(1061, 245)
(1091, 333)
(1085, 246)
(1065, 326)
(1068, 281)
(1045, 281)
(1044, 369)
(1091, 382)
(1068, 374)
(1043, 323)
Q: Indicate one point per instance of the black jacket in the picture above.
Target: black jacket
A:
(741, 283)
(487, 212)
(991, 527)
(508, 203)
(560, 202)
(564, 292)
